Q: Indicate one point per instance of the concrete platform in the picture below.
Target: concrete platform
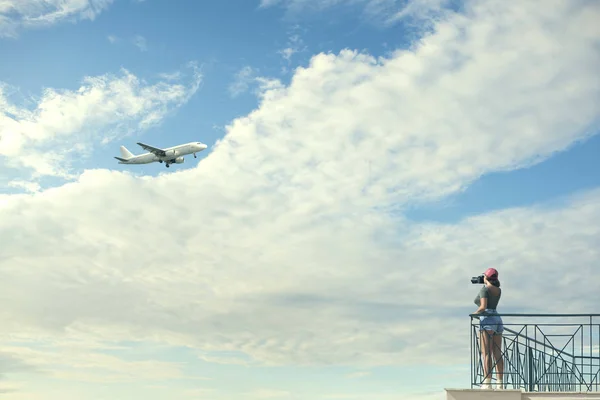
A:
(511, 394)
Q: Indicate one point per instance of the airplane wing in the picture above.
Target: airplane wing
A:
(157, 151)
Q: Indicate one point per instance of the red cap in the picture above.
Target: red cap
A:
(491, 273)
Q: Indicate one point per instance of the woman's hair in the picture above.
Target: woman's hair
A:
(494, 282)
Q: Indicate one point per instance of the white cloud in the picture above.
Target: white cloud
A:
(19, 14)
(281, 248)
(242, 81)
(70, 121)
(359, 374)
(287, 53)
(417, 11)
(302, 4)
(140, 42)
(8, 388)
(268, 3)
(27, 185)
(270, 394)
(267, 87)
(69, 362)
(438, 395)
(247, 77)
(295, 44)
(386, 11)
(171, 76)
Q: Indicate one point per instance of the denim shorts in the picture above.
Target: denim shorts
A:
(491, 322)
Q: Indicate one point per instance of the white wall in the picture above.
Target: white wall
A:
(478, 394)
(561, 396)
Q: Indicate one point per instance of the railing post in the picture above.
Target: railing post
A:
(530, 368)
(473, 347)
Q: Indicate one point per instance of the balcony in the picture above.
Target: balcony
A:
(547, 353)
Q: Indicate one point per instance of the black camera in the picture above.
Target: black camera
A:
(477, 280)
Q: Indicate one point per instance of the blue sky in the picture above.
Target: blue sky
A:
(575, 169)
(365, 160)
(170, 35)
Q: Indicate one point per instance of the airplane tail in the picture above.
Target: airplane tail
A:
(126, 154)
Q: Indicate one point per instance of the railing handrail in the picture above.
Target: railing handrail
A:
(534, 315)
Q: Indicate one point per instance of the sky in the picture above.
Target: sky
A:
(365, 159)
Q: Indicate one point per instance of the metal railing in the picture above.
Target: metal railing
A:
(558, 354)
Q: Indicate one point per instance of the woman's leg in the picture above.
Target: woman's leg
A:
(485, 344)
(497, 351)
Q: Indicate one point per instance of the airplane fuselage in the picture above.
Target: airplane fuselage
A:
(169, 155)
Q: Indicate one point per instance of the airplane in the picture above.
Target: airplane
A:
(170, 155)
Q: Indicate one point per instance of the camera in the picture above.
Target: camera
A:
(477, 279)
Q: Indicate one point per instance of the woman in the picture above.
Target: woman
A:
(491, 327)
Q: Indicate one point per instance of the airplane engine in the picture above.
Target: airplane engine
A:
(171, 153)
(179, 160)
